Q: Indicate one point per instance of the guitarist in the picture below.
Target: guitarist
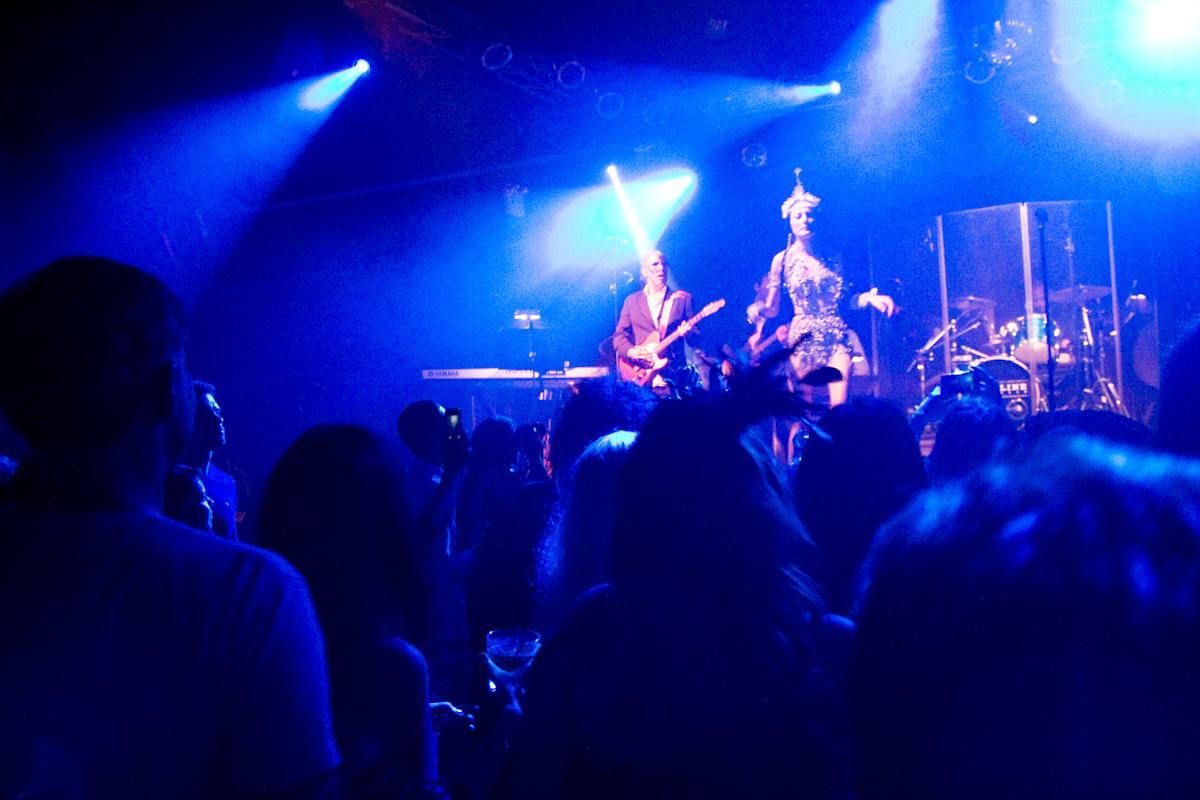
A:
(650, 315)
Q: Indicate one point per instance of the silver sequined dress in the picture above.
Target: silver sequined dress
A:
(815, 291)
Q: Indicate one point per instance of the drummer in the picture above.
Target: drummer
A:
(975, 335)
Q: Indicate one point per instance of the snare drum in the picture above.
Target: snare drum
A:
(1013, 379)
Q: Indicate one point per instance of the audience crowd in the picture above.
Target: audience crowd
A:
(1016, 615)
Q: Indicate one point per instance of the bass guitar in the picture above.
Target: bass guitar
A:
(642, 374)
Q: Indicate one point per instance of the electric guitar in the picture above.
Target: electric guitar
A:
(780, 335)
(643, 375)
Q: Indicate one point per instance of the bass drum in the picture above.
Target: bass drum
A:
(1013, 379)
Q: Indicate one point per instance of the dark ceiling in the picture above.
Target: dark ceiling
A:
(72, 64)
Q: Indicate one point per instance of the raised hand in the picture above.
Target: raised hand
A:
(883, 303)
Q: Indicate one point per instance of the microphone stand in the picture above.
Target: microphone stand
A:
(612, 263)
(1042, 216)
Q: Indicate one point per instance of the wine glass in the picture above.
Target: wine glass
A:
(510, 651)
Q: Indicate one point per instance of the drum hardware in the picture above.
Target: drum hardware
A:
(1051, 362)
(1035, 351)
(923, 353)
(976, 314)
(974, 303)
(1079, 295)
(1097, 390)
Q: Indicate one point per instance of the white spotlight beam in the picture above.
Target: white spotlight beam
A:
(641, 240)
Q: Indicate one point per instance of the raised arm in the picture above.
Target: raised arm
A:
(766, 306)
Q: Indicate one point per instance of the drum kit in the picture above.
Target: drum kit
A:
(1017, 353)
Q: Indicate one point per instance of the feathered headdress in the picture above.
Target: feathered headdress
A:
(799, 197)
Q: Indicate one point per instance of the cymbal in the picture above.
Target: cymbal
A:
(1079, 294)
(973, 303)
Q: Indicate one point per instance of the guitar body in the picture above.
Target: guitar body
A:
(645, 375)
(637, 373)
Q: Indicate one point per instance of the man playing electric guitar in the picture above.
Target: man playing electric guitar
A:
(649, 316)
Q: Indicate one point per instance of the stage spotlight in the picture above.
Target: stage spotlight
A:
(1172, 22)
(641, 241)
(571, 75)
(325, 92)
(754, 155)
(1033, 119)
(903, 38)
(979, 70)
(496, 57)
(835, 88)
(800, 94)
(1066, 50)
(614, 223)
(610, 105)
(1141, 73)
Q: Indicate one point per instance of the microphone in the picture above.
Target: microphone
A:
(1042, 216)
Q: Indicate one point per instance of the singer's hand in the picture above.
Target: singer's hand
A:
(883, 303)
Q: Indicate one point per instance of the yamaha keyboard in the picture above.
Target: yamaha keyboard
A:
(516, 376)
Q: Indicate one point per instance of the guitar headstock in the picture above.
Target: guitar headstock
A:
(713, 307)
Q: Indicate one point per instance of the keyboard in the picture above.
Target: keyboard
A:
(498, 374)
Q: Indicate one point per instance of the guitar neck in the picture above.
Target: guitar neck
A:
(683, 328)
(687, 324)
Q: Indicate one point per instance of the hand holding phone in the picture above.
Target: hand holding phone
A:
(456, 449)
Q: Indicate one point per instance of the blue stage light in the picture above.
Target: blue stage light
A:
(326, 91)
(804, 93)
(637, 231)
(591, 227)
(1172, 23)
(904, 36)
(835, 88)
(1142, 73)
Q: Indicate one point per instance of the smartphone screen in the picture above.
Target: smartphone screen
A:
(454, 417)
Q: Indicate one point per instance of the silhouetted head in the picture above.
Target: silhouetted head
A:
(973, 431)
(596, 408)
(423, 429)
(850, 483)
(209, 430)
(185, 498)
(494, 444)
(91, 348)
(576, 553)
(1097, 423)
(334, 506)
(1035, 631)
(705, 527)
